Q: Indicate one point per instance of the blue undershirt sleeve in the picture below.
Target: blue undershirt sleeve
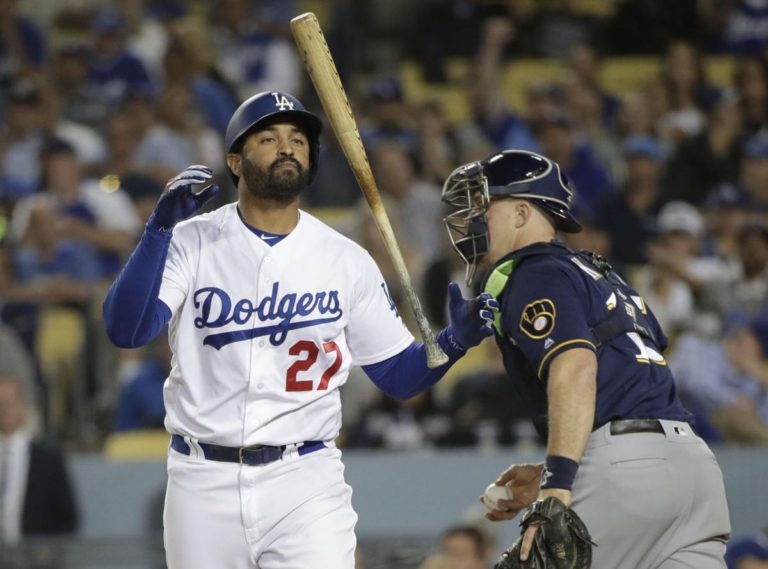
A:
(133, 313)
(406, 374)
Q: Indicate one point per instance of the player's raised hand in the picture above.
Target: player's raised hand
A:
(178, 201)
(471, 319)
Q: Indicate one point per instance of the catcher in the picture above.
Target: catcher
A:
(585, 352)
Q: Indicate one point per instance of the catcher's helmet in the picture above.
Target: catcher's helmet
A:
(522, 174)
(269, 105)
(511, 173)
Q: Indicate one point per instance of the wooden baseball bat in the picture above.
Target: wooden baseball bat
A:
(319, 63)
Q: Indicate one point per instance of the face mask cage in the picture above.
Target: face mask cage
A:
(466, 193)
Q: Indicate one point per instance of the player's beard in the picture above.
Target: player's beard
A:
(274, 182)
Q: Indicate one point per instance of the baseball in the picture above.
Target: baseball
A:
(494, 493)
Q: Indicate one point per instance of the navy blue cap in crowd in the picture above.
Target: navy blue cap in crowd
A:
(167, 10)
(56, 147)
(712, 98)
(268, 106)
(107, 21)
(729, 195)
(645, 146)
(528, 175)
(386, 89)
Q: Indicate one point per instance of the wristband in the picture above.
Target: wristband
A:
(448, 342)
(559, 472)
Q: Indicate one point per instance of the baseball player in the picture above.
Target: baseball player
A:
(268, 308)
(585, 352)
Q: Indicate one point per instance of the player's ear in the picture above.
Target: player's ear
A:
(234, 161)
(522, 213)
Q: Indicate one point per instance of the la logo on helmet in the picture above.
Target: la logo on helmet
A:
(281, 102)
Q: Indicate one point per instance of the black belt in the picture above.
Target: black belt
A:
(252, 456)
(627, 426)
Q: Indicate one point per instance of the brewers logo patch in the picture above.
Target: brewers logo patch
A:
(538, 319)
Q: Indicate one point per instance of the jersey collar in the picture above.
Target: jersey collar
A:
(496, 280)
(238, 225)
(540, 248)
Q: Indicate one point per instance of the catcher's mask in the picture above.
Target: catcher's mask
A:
(511, 173)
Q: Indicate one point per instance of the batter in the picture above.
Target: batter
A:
(267, 309)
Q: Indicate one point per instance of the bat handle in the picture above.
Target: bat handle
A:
(435, 355)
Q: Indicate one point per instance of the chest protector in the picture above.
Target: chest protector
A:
(617, 323)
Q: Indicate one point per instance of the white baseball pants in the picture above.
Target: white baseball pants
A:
(294, 513)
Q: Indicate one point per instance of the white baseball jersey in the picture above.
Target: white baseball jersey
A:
(263, 336)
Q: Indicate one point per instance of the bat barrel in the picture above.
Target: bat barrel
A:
(318, 60)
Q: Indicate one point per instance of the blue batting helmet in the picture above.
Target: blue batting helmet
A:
(269, 105)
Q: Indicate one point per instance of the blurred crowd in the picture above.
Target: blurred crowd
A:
(102, 102)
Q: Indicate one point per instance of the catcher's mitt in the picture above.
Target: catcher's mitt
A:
(562, 541)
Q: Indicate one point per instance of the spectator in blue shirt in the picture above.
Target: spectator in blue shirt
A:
(248, 55)
(87, 211)
(740, 25)
(501, 126)
(114, 70)
(23, 139)
(81, 101)
(629, 216)
(723, 382)
(44, 269)
(178, 137)
(753, 170)
(590, 181)
(728, 209)
(43, 256)
(391, 118)
(22, 45)
(213, 100)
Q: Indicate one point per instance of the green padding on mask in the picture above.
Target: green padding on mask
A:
(495, 286)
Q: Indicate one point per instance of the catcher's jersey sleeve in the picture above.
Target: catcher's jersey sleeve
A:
(375, 330)
(544, 313)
